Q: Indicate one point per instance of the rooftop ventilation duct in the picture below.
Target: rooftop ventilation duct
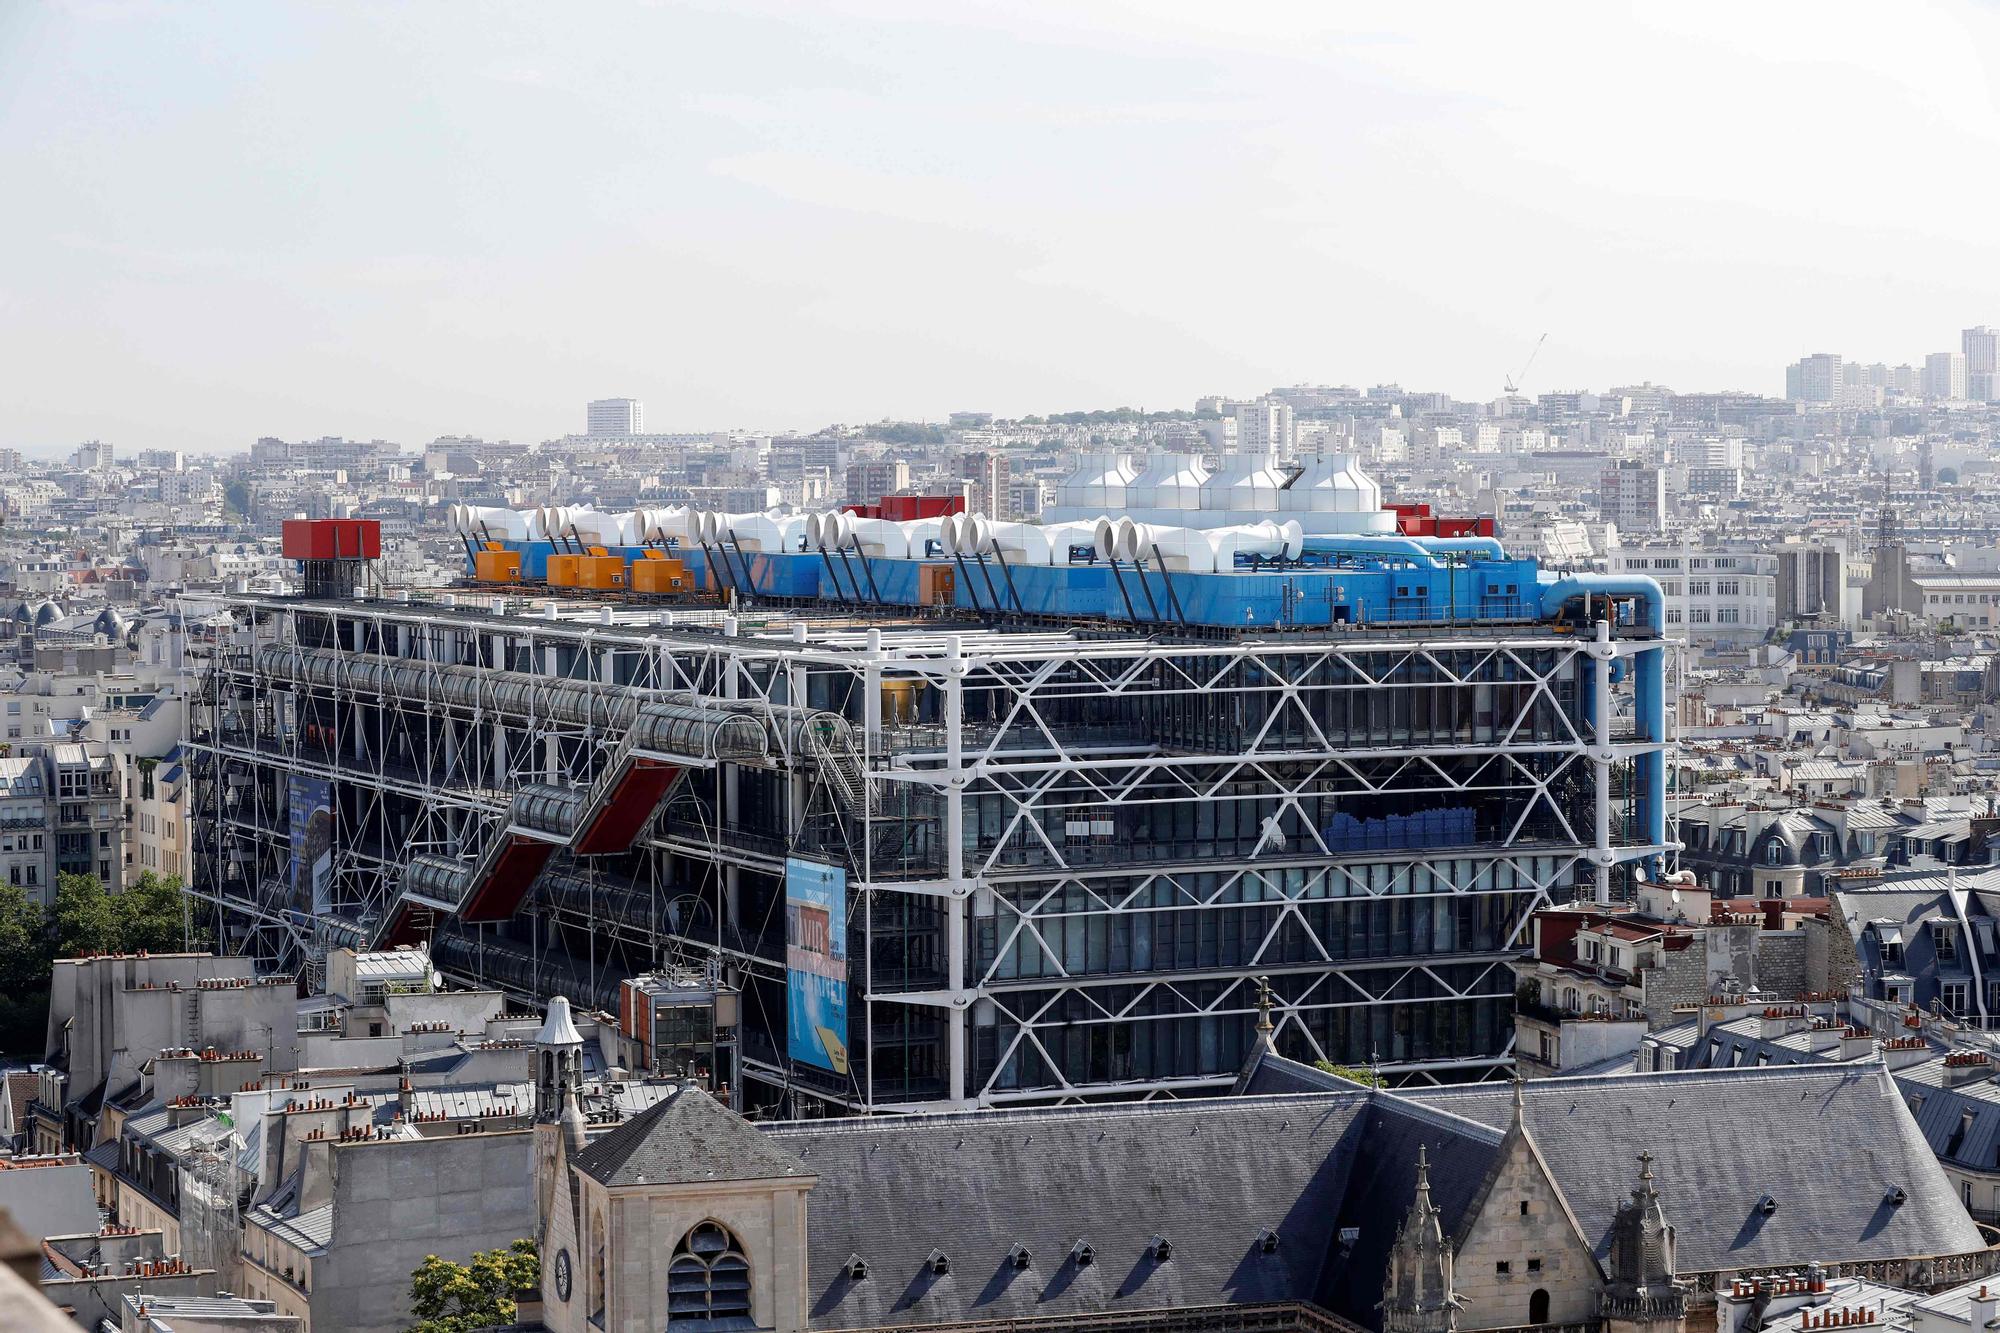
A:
(1098, 482)
(1170, 481)
(1249, 484)
(1332, 483)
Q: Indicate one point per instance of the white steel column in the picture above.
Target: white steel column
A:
(954, 835)
(1600, 756)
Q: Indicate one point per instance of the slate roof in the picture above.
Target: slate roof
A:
(1206, 1175)
(1961, 1124)
(687, 1138)
(1725, 1139)
(310, 1231)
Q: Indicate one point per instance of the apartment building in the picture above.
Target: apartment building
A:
(1710, 593)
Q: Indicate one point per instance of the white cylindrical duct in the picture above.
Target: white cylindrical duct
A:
(1186, 549)
(501, 523)
(1104, 536)
(896, 541)
(837, 529)
(1270, 540)
(715, 526)
(1063, 537)
(593, 528)
(770, 532)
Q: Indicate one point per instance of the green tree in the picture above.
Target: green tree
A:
(82, 920)
(455, 1298)
(150, 915)
(24, 973)
(236, 498)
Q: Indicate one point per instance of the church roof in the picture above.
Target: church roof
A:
(1207, 1176)
(1726, 1140)
(687, 1139)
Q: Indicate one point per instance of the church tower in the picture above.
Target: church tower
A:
(558, 1062)
(559, 1135)
(1642, 1295)
(1419, 1296)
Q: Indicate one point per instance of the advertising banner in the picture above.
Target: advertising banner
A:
(311, 802)
(816, 963)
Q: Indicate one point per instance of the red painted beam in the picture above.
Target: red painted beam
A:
(515, 870)
(625, 812)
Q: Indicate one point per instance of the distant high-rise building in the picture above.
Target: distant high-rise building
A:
(91, 454)
(1266, 426)
(1633, 496)
(991, 475)
(1944, 375)
(868, 480)
(1982, 363)
(615, 416)
(1818, 378)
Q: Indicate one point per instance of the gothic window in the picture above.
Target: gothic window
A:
(595, 1290)
(709, 1279)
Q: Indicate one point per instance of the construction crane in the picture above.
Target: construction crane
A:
(1515, 380)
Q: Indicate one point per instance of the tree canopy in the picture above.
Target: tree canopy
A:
(83, 918)
(448, 1297)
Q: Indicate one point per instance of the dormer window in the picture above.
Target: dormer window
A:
(938, 1262)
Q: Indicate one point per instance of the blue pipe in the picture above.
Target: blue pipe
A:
(1370, 544)
(1649, 683)
(1487, 547)
(1558, 591)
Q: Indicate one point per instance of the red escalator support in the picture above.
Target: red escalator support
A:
(402, 927)
(499, 895)
(631, 802)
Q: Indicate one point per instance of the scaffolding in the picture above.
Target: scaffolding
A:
(212, 1192)
(1068, 851)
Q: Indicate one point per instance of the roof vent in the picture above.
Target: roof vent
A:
(1019, 1255)
(1160, 1248)
(938, 1262)
(1896, 1198)
(1767, 1205)
(1083, 1254)
(857, 1268)
(1267, 1241)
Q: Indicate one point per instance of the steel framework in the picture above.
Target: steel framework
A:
(1070, 852)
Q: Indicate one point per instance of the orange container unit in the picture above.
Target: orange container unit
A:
(563, 571)
(496, 564)
(936, 585)
(600, 571)
(656, 573)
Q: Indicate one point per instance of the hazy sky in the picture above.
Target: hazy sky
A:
(226, 220)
